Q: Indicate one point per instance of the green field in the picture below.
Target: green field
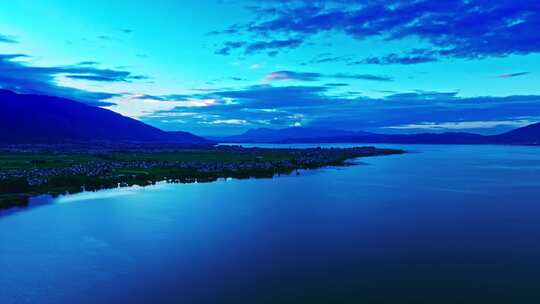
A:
(21, 161)
(24, 161)
(23, 175)
(15, 192)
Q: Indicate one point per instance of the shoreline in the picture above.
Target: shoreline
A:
(55, 173)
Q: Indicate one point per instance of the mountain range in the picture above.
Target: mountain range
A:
(26, 118)
(529, 135)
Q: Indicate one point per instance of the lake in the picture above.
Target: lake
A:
(441, 224)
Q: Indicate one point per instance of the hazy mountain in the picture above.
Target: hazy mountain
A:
(526, 135)
(427, 138)
(292, 134)
(47, 119)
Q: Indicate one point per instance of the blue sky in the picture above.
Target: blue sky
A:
(222, 67)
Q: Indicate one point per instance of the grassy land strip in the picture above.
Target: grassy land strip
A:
(23, 175)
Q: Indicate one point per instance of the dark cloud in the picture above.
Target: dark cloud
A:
(309, 76)
(422, 96)
(228, 46)
(7, 39)
(264, 96)
(290, 75)
(270, 46)
(233, 29)
(512, 75)
(20, 77)
(91, 77)
(88, 63)
(361, 77)
(336, 84)
(94, 74)
(412, 57)
(320, 106)
(462, 29)
(327, 58)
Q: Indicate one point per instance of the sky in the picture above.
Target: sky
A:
(220, 67)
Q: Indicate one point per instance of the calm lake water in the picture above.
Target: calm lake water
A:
(444, 224)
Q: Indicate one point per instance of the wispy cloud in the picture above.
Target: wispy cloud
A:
(7, 39)
(463, 125)
(311, 76)
(290, 75)
(411, 57)
(227, 122)
(271, 47)
(19, 76)
(511, 75)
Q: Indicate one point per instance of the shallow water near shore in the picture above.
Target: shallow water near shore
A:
(442, 224)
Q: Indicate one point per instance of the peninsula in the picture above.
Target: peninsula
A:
(30, 170)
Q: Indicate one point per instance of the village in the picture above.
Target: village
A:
(29, 170)
(256, 159)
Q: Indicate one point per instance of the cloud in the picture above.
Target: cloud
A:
(228, 46)
(361, 77)
(105, 76)
(321, 106)
(512, 75)
(7, 39)
(464, 125)
(310, 76)
(471, 29)
(266, 96)
(233, 29)
(228, 122)
(423, 96)
(411, 57)
(18, 76)
(290, 75)
(88, 63)
(327, 58)
(270, 46)
(336, 84)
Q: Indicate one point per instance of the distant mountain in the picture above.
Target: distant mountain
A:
(526, 135)
(186, 137)
(425, 138)
(292, 134)
(47, 119)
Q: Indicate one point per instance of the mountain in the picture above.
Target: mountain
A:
(424, 138)
(186, 137)
(292, 134)
(525, 135)
(47, 119)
